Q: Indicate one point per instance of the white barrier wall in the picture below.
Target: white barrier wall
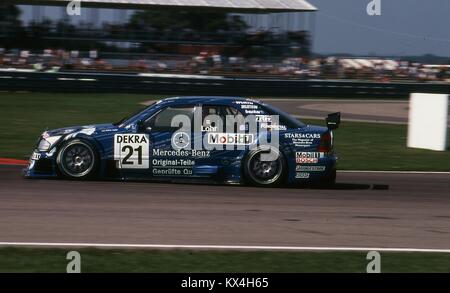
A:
(428, 114)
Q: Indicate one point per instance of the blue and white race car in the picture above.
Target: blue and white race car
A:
(204, 139)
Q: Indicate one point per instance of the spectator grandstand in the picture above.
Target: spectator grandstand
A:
(214, 63)
(151, 42)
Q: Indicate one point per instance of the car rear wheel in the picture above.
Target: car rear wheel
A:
(77, 159)
(260, 171)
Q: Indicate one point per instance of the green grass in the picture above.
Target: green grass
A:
(101, 260)
(362, 146)
(24, 116)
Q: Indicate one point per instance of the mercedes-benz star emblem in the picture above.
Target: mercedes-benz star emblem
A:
(180, 140)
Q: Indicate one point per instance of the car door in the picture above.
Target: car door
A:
(221, 154)
(169, 154)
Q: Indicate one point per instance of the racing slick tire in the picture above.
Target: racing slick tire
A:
(77, 159)
(264, 173)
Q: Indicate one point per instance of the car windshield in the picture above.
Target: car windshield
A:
(285, 118)
(128, 117)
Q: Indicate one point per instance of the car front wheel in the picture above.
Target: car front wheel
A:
(77, 159)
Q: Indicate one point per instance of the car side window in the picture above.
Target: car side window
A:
(237, 115)
(232, 111)
(222, 111)
(163, 120)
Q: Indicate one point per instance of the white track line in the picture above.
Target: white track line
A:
(221, 247)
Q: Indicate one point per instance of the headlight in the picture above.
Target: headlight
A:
(43, 145)
(46, 144)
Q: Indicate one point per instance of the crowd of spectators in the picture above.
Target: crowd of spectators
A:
(216, 43)
(213, 63)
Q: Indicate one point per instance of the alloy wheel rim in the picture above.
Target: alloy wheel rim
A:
(264, 172)
(77, 160)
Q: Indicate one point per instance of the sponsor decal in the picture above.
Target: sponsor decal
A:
(308, 157)
(172, 167)
(181, 153)
(263, 118)
(209, 129)
(244, 102)
(131, 138)
(172, 171)
(302, 175)
(88, 131)
(273, 127)
(131, 151)
(110, 130)
(306, 160)
(230, 138)
(181, 166)
(249, 106)
(67, 131)
(35, 156)
(172, 162)
(251, 112)
(301, 168)
(302, 139)
(181, 140)
(302, 135)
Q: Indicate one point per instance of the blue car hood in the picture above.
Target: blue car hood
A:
(87, 129)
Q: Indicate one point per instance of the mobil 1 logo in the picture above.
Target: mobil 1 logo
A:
(131, 151)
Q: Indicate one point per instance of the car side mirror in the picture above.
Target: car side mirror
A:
(333, 120)
(142, 128)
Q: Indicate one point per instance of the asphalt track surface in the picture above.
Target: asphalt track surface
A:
(413, 213)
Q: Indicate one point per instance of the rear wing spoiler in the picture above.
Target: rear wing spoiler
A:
(333, 120)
